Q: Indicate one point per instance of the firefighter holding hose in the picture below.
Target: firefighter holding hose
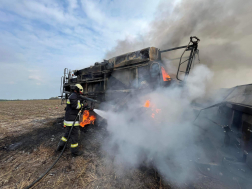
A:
(73, 107)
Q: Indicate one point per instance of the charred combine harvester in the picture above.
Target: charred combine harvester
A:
(120, 75)
(227, 129)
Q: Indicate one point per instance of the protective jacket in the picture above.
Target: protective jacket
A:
(72, 109)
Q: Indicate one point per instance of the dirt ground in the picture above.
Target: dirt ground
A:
(30, 131)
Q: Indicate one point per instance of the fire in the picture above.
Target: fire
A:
(147, 104)
(154, 110)
(166, 77)
(87, 118)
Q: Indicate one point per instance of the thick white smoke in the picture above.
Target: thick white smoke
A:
(163, 135)
(169, 140)
(225, 30)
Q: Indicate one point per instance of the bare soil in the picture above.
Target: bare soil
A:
(30, 131)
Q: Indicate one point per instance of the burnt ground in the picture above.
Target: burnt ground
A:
(26, 157)
(26, 154)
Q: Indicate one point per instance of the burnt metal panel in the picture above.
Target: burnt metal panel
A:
(240, 107)
(144, 76)
(73, 80)
(241, 95)
(120, 74)
(86, 76)
(154, 53)
(133, 57)
(121, 79)
(237, 120)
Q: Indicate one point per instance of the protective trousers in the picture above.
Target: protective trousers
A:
(74, 139)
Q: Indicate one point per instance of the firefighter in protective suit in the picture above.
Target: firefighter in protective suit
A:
(72, 109)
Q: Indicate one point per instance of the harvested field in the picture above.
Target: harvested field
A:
(18, 117)
(30, 131)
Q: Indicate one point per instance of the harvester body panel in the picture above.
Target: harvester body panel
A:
(119, 75)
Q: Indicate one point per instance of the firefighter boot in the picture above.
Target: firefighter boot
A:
(61, 144)
(75, 151)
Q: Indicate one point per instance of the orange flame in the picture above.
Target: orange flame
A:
(165, 75)
(147, 104)
(153, 108)
(87, 118)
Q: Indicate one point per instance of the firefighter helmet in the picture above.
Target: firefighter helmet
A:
(79, 88)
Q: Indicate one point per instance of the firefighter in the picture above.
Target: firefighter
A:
(72, 109)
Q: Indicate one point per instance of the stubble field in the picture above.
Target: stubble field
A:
(30, 131)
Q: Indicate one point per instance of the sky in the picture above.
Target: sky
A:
(225, 30)
(41, 38)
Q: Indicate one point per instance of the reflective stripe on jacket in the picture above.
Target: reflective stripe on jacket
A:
(72, 109)
(70, 123)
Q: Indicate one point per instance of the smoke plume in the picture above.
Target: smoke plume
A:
(225, 30)
(160, 135)
(168, 141)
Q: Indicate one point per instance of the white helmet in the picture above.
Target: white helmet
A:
(79, 88)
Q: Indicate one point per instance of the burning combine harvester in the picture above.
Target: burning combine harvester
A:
(115, 79)
(227, 128)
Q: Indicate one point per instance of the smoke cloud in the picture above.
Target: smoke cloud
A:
(161, 135)
(225, 30)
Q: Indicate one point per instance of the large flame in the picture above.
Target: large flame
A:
(87, 118)
(165, 75)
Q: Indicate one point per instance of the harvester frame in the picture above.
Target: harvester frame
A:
(126, 73)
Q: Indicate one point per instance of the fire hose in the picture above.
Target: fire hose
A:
(47, 171)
